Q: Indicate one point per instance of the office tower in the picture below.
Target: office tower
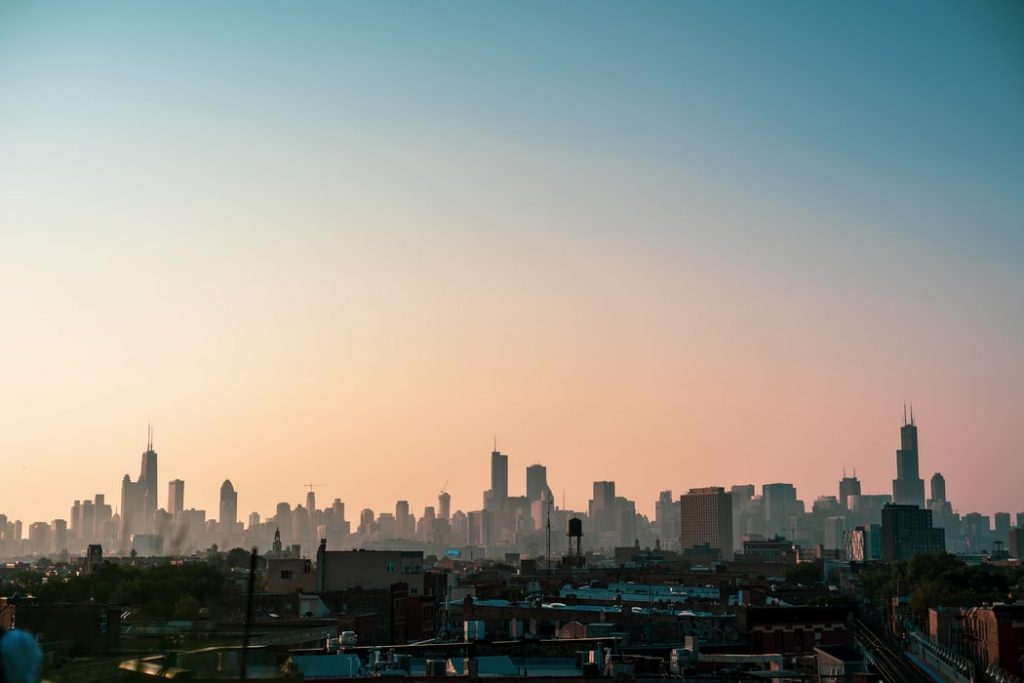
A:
(59, 536)
(175, 496)
(228, 505)
(366, 522)
(780, 504)
(666, 516)
(1016, 545)
(938, 488)
(132, 510)
(444, 505)
(499, 476)
(862, 544)
(942, 509)
(835, 528)
(908, 487)
(148, 478)
(907, 531)
(705, 519)
(601, 507)
(480, 528)
(102, 514)
(425, 530)
(848, 486)
(38, 538)
(405, 525)
(1001, 521)
(87, 522)
(254, 520)
(977, 532)
(536, 481)
(385, 526)
(138, 499)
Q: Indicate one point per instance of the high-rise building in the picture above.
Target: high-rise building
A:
(148, 477)
(405, 523)
(499, 476)
(444, 505)
(705, 519)
(666, 516)
(601, 508)
(175, 496)
(780, 506)
(908, 487)
(835, 529)
(1001, 522)
(1016, 545)
(848, 486)
(536, 481)
(907, 531)
(938, 487)
(228, 504)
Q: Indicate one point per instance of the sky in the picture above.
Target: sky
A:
(350, 244)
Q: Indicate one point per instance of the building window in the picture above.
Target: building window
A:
(390, 567)
(286, 574)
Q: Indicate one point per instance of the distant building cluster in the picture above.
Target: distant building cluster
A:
(710, 521)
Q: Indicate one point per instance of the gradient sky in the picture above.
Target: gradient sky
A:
(669, 244)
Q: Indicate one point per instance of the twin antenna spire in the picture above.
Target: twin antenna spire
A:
(149, 437)
(905, 423)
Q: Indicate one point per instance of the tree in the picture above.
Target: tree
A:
(238, 558)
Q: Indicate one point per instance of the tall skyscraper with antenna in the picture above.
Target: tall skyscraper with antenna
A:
(908, 486)
(498, 493)
(139, 498)
(148, 479)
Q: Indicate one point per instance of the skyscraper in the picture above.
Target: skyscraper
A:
(907, 531)
(848, 486)
(499, 476)
(405, 523)
(444, 505)
(780, 504)
(228, 504)
(938, 486)
(175, 496)
(908, 487)
(148, 480)
(705, 519)
(536, 481)
(666, 515)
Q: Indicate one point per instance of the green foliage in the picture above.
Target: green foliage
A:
(805, 574)
(164, 592)
(238, 558)
(187, 607)
(942, 579)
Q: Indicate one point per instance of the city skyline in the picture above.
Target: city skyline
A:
(347, 243)
(499, 470)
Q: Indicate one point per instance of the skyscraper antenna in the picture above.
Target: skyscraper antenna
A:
(904, 413)
(911, 412)
(149, 437)
(495, 443)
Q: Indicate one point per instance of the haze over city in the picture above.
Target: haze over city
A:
(350, 245)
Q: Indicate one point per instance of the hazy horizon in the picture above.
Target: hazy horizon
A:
(672, 245)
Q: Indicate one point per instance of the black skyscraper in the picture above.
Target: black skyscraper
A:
(908, 486)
